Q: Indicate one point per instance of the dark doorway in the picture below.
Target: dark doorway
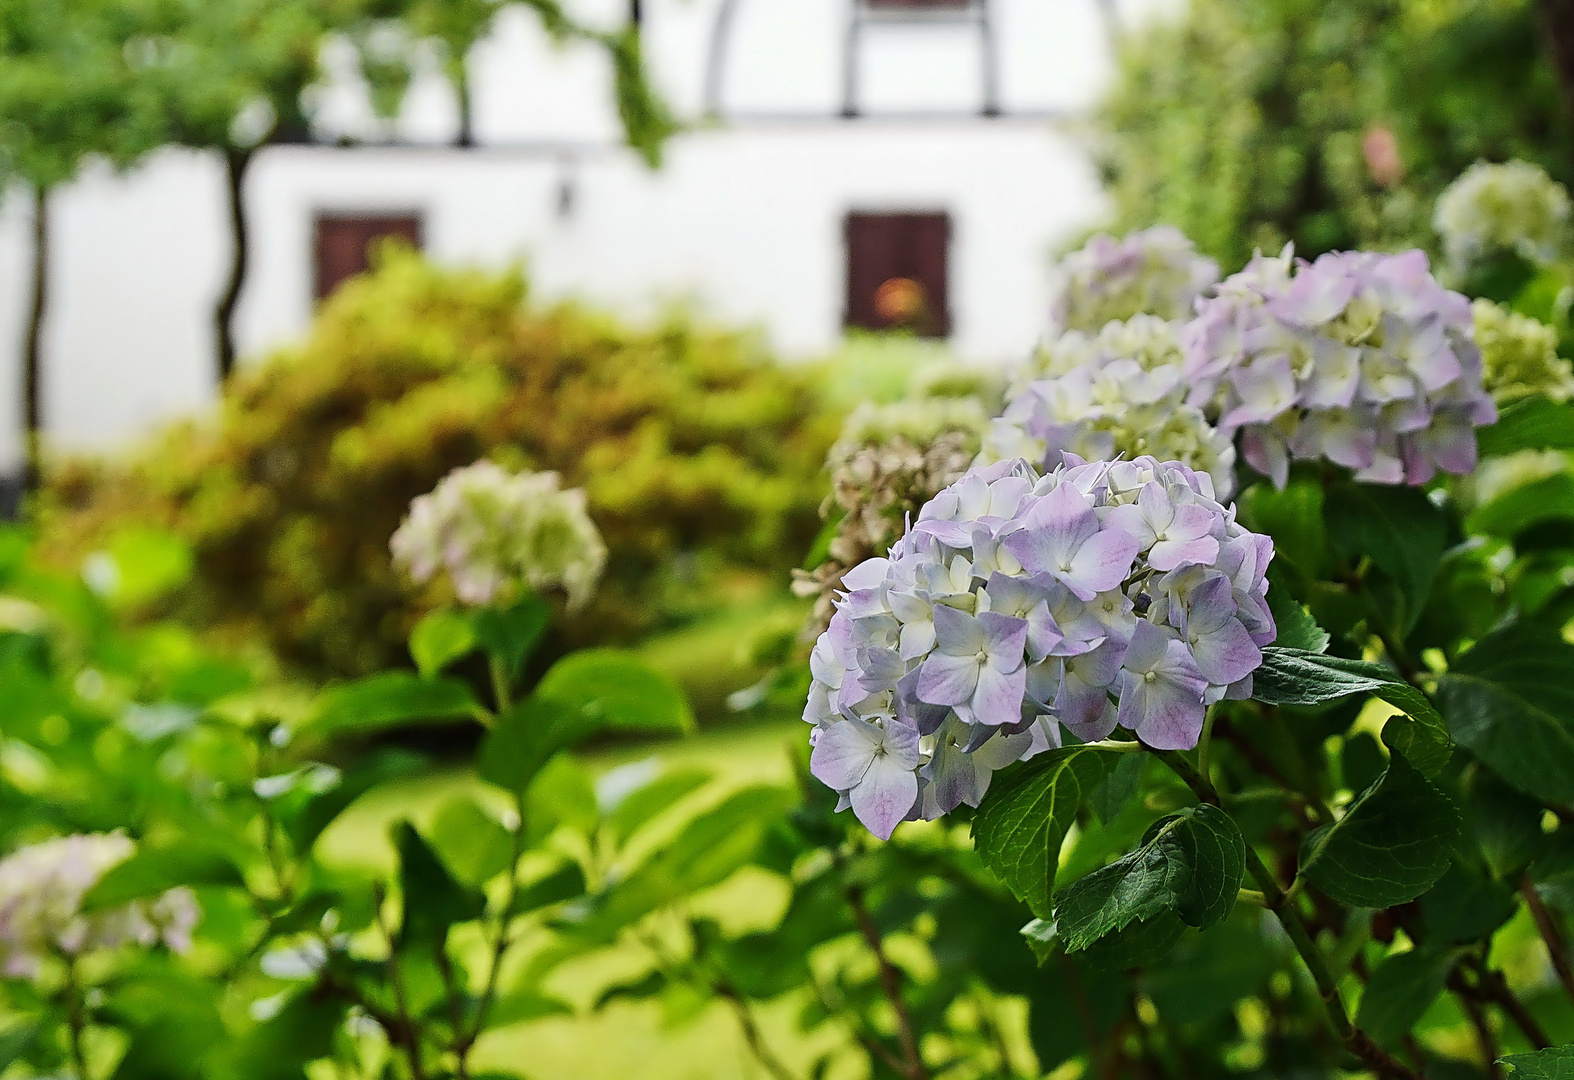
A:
(343, 243)
(897, 273)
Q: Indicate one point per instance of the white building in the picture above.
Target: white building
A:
(964, 108)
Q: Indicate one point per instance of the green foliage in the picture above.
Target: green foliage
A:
(1554, 1064)
(1330, 124)
(1188, 865)
(697, 453)
(1391, 846)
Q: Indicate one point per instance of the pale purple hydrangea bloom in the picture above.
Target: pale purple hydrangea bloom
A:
(497, 535)
(1155, 271)
(41, 893)
(1103, 594)
(1360, 358)
(1119, 393)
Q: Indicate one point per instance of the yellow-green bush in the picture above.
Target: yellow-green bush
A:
(698, 454)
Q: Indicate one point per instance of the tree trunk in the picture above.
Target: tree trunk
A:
(466, 109)
(32, 352)
(235, 165)
(1557, 27)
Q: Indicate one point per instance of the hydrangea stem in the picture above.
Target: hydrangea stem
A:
(1354, 1039)
(500, 684)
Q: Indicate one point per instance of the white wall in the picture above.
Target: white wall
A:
(743, 221)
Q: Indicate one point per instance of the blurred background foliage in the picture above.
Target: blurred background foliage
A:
(1330, 123)
(701, 456)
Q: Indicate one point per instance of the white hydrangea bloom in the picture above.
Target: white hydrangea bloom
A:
(41, 892)
(1156, 271)
(1519, 355)
(1360, 358)
(498, 535)
(1119, 392)
(1515, 207)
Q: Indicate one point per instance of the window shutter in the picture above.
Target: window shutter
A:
(898, 273)
(343, 245)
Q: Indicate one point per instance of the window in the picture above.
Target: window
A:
(919, 5)
(343, 244)
(897, 272)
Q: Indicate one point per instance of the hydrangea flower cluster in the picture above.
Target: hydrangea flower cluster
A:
(888, 462)
(1514, 207)
(498, 535)
(1103, 594)
(1117, 393)
(1358, 357)
(41, 891)
(1156, 271)
(1519, 355)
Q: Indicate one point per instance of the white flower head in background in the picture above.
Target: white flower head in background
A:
(1514, 207)
(1519, 355)
(1157, 271)
(41, 891)
(497, 535)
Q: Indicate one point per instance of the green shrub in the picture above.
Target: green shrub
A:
(698, 454)
(1246, 125)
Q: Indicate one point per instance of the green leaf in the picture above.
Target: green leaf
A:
(637, 808)
(472, 842)
(1554, 1064)
(1138, 944)
(1294, 677)
(1534, 423)
(440, 638)
(510, 634)
(1023, 819)
(1294, 518)
(1401, 990)
(152, 871)
(281, 1047)
(16, 1039)
(1510, 701)
(1297, 629)
(1399, 529)
(433, 900)
(525, 738)
(391, 699)
(1549, 498)
(1189, 864)
(144, 564)
(567, 882)
(1391, 845)
(1040, 935)
(1118, 788)
(619, 690)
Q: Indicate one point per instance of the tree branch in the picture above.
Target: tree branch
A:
(891, 983)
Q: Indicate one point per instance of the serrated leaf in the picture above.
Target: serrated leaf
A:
(1398, 528)
(440, 638)
(1510, 701)
(390, 699)
(1391, 845)
(1533, 423)
(1556, 1063)
(1297, 629)
(1295, 677)
(1189, 864)
(1400, 991)
(1022, 821)
(1040, 936)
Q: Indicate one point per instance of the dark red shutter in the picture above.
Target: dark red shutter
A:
(918, 5)
(343, 244)
(884, 248)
